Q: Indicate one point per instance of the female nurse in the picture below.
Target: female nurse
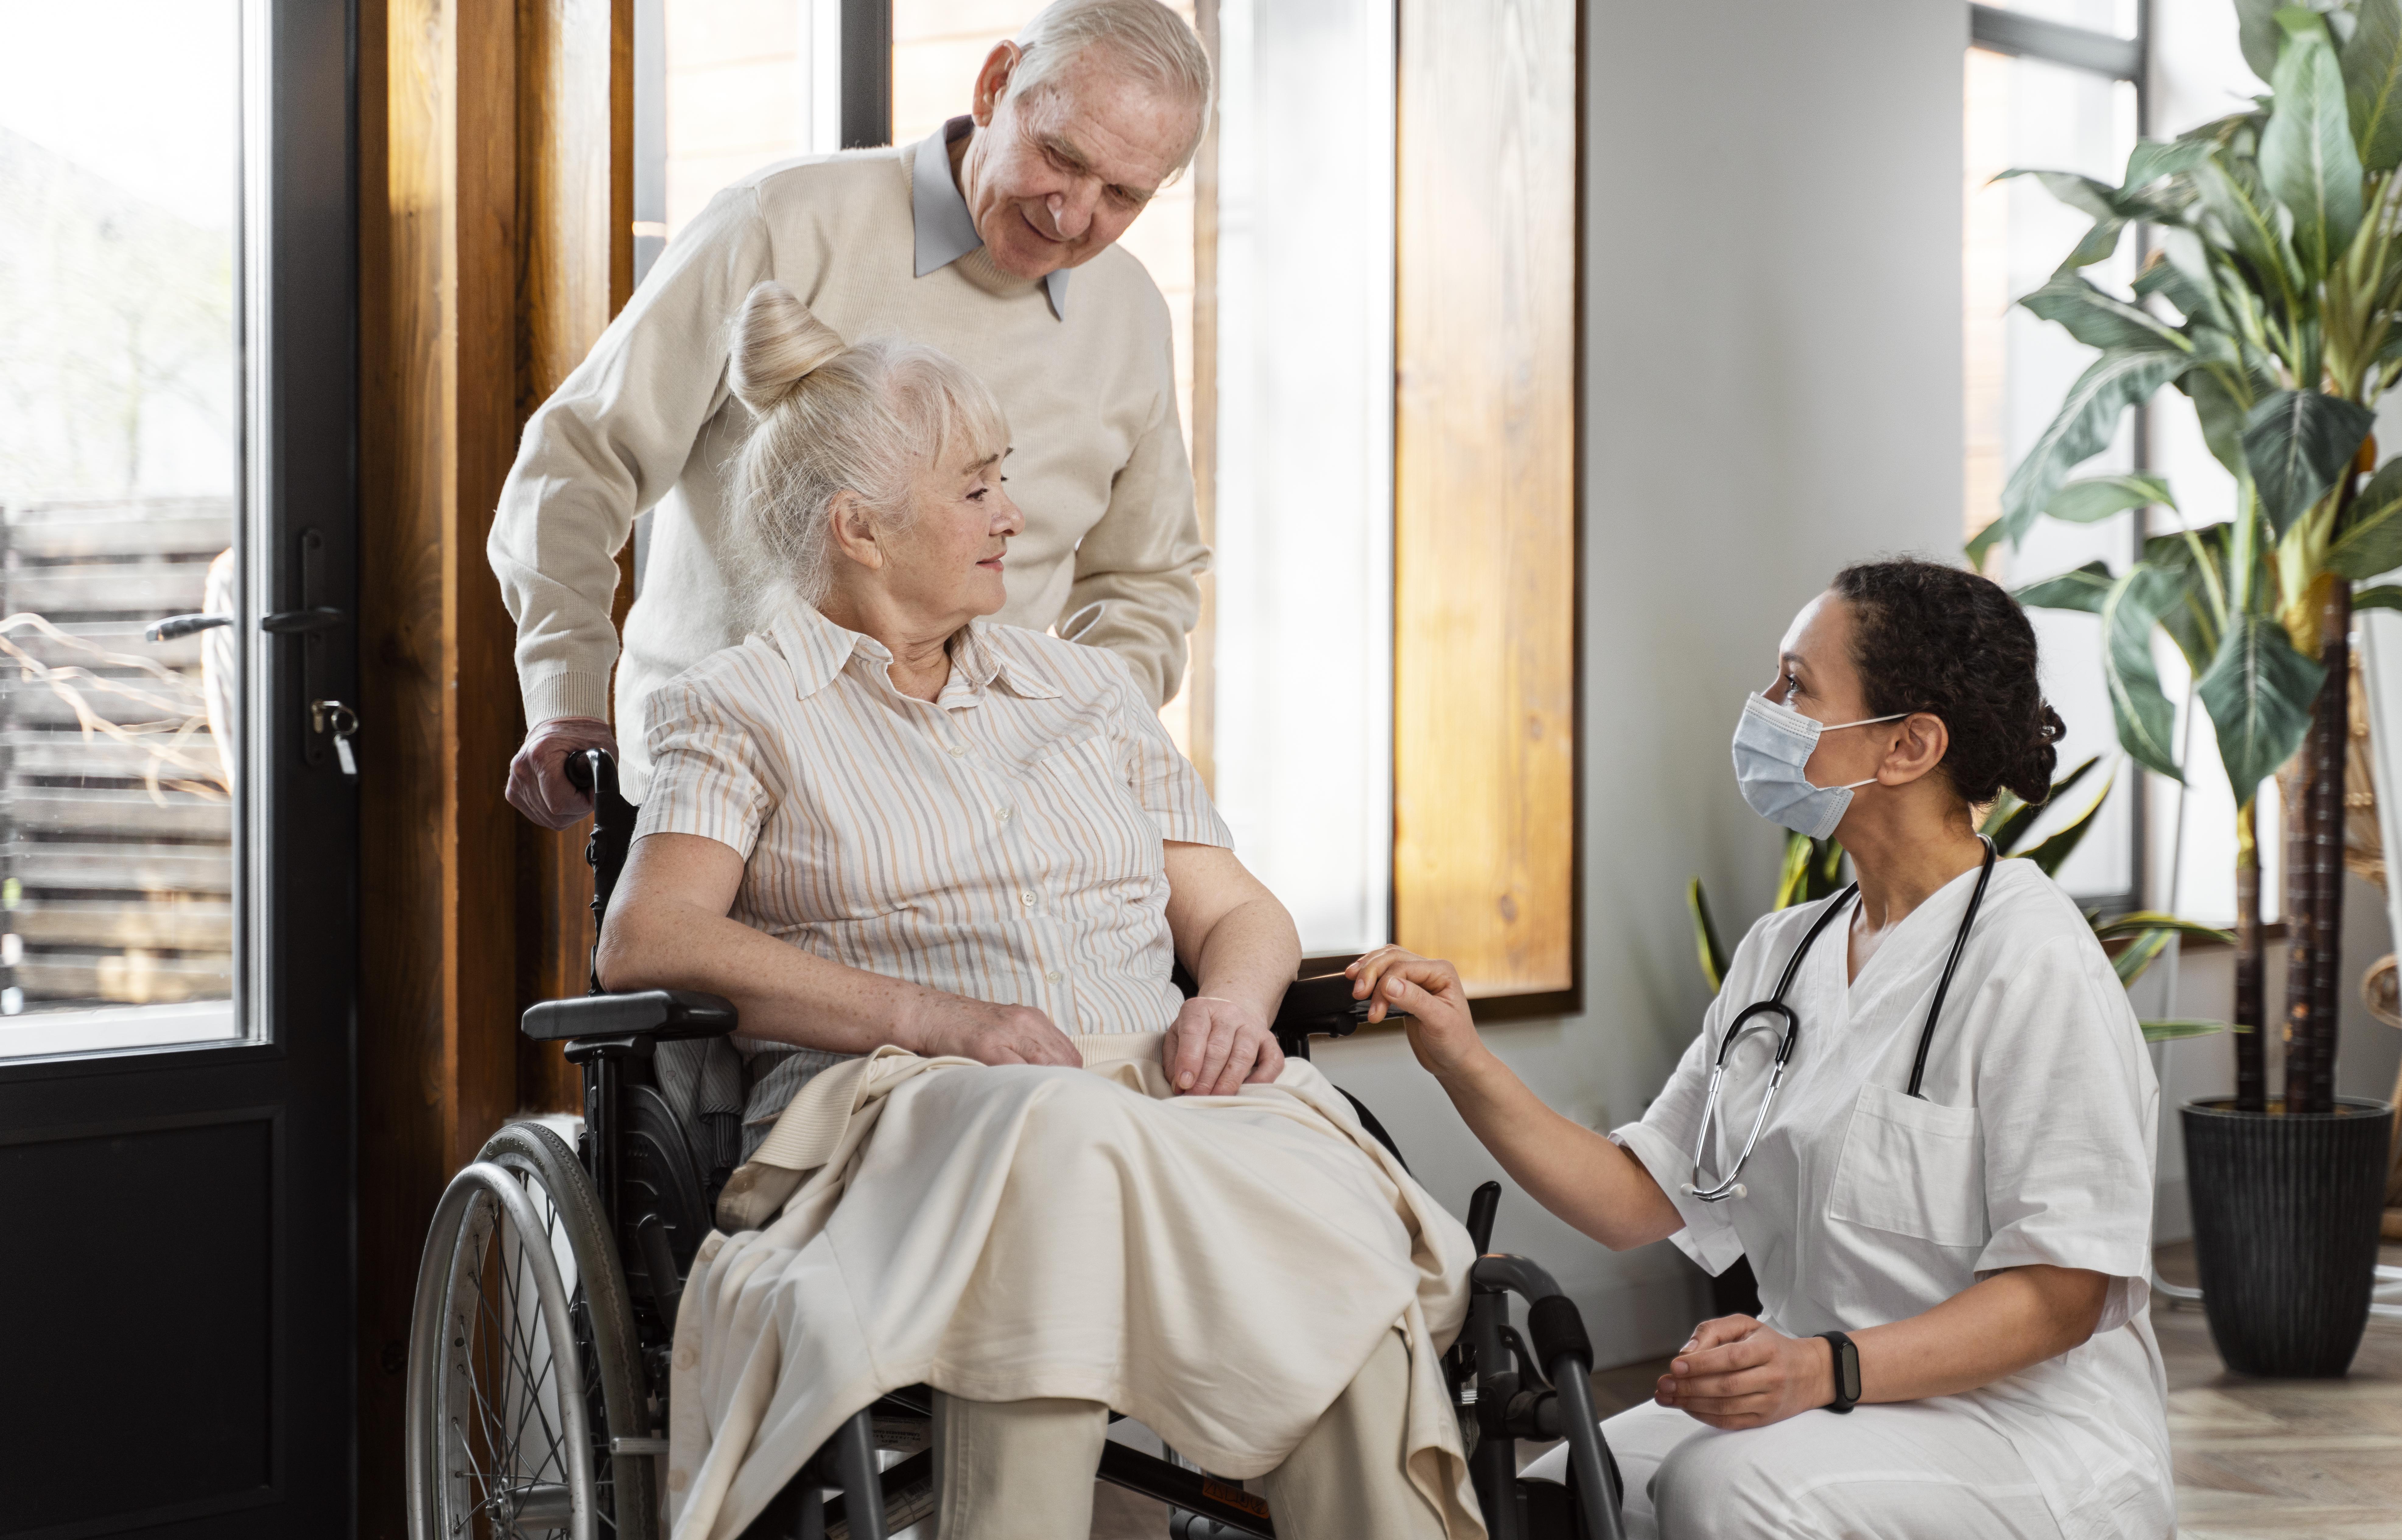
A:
(1960, 1272)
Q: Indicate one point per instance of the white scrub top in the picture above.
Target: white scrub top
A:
(2034, 1144)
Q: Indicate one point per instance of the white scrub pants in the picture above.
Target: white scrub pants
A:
(1023, 1470)
(1903, 1468)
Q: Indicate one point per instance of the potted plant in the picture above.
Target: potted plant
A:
(2273, 301)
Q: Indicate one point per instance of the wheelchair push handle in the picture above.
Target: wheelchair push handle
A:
(591, 771)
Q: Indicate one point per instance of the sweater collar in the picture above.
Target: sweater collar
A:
(817, 650)
(946, 231)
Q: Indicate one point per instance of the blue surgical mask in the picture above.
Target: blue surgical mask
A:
(1772, 743)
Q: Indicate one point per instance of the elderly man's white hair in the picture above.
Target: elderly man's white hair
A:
(1144, 36)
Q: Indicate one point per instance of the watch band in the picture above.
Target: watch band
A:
(1847, 1371)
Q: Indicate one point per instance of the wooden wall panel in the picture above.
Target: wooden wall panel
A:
(1485, 541)
(494, 236)
(575, 207)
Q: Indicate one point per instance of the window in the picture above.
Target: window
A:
(2035, 99)
(120, 468)
(1287, 707)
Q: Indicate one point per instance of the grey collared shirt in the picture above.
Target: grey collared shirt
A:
(945, 230)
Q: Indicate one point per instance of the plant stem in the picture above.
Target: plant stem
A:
(2333, 721)
(2314, 871)
(2251, 1071)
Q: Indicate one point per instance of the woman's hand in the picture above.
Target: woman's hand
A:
(1214, 1047)
(1737, 1373)
(954, 1026)
(1441, 1027)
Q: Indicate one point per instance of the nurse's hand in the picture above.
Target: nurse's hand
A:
(1737, 1373)
(1441, 1030)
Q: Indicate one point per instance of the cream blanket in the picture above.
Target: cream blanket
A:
(1219, 1268)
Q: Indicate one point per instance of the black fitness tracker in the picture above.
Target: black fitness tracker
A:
(1847, 1371)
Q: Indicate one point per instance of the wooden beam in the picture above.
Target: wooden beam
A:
(495, 206)
(575, 207)
(1486, 539)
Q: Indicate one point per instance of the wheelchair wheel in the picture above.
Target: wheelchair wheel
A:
(523, 1370)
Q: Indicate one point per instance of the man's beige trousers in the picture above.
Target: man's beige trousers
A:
(1023, 1470)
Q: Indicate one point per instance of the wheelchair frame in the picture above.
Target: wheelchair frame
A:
(641, 1178)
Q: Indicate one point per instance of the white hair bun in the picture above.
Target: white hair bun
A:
(777, 342)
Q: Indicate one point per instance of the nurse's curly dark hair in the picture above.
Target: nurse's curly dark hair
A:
(1935, 639)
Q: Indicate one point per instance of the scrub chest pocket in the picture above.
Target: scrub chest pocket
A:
(1914, 1168)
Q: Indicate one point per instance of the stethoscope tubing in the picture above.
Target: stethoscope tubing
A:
(1731, 1186)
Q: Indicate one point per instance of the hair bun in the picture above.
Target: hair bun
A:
(2032, 779)
(776, 341)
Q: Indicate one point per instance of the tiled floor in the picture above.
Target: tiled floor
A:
(2255, 1458)
(2282, 1457)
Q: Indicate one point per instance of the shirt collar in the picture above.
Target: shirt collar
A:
(817, 650)
(946, 231)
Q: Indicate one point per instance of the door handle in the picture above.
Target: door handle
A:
(285, 623)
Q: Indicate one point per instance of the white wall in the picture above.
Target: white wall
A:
(1772, 388)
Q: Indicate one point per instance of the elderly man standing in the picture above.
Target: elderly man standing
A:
(967, 242)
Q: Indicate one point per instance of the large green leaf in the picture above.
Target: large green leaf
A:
(2083, 590)
(2297, 443)
(2154, 158)
(2258, 693)
(2145, 721)
(2307, 157)
(2188, 1027)
(2082, 193)
(2062, 843)
(2385, 596)
(2011, 817)
(2186, 287)
(1712, 950)
(1813, 870)
(2139, 955)
(2096, 498)
(2153, 919)
(2222, 413)
(2079, 431)
(2258, 33)
(2371, 542)
(2100, 321)
(2253, 222)
(2193, 621)
(2372, 83)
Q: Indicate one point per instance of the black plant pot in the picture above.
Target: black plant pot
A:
(2285, 1230)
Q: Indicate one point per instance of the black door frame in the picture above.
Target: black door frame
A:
(297, 854)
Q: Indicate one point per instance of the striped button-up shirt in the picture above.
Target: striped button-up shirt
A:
(1002, 842)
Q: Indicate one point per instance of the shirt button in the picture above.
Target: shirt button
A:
(1001, 813)
(1025, 897)
(958, 751)
(1053, 976)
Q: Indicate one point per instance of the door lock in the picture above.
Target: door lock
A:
(332, 716)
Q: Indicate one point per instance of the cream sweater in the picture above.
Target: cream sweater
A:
(1098, 467)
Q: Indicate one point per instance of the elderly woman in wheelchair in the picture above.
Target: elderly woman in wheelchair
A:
(903, 842)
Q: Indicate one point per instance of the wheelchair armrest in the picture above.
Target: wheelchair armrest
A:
(662, 1014)
(1318, 1007)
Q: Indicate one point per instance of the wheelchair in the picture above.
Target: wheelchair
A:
(541, 1336)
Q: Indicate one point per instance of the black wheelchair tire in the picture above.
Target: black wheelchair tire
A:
(607, 1325)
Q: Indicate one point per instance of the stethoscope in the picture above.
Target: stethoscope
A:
(1775, 1006)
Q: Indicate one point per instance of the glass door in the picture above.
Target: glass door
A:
(121, 460)
(177, 822)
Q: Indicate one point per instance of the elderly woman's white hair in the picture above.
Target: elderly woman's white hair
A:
(1144, 35)
(830, 418)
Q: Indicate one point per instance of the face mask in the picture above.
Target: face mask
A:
(1772, 743)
